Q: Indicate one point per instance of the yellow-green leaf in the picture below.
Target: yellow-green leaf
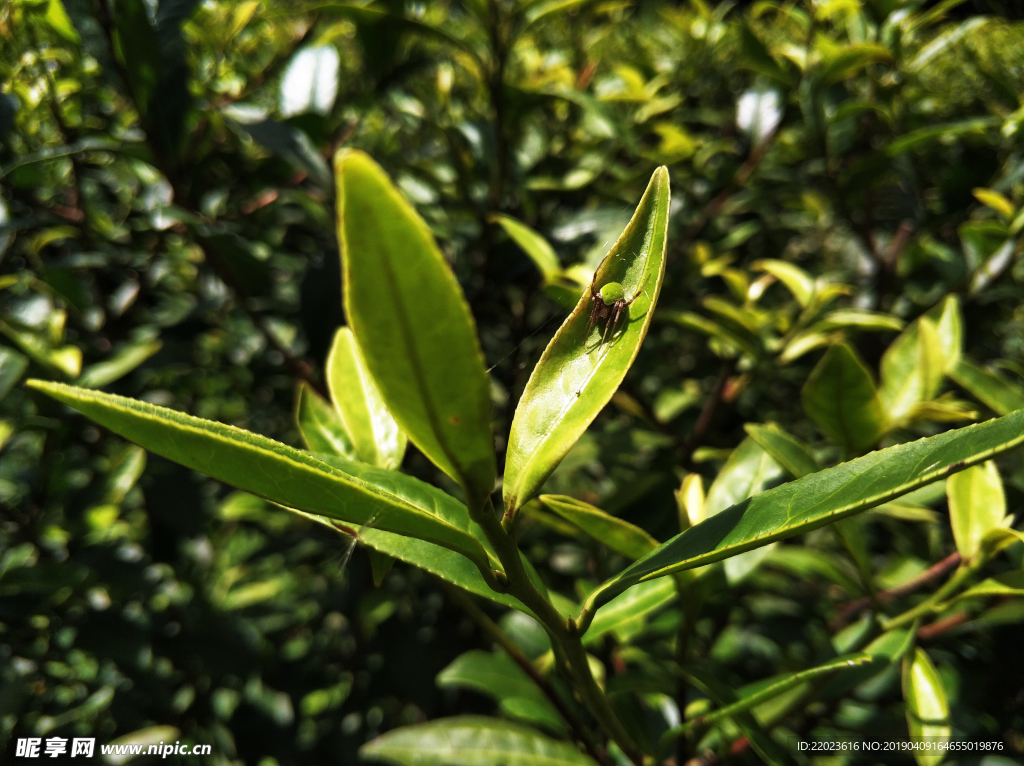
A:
(579, 371)
(376, 437)
(976, 506)
(993, 199)
(927, 707)
(841, 398)
(621, 536)
(413, 326)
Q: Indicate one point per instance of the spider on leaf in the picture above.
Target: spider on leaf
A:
(609, 303)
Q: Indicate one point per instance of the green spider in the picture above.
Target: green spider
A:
(609, 303)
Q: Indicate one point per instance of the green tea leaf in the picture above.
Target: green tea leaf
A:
(60, 22)
(12, 367)
(927, 706)
(471, 741)
(413, 326)
(818, 499)
(706, 679)
(380, 565)
(450, 566)
(740, 341)
(376, 437)
(812, 564)
(64, 359)
(532, 243)
(844, 319)
(993, 199)
(621, 536)
(749, 698)
(848, 59)
(976, 506)
(319, 425)
(279, 473)
(120, 364)
(841, 398)
(926, 135)
(798, 281)
(996, 393)
(746, 473)
(497, 675)
(632, 605)
(1006, 584)
(784, 448)
(949, 327)
(912, 369)
(579, 372)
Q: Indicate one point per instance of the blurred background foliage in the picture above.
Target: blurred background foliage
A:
(838, 167)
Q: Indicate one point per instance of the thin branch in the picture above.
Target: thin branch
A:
(934, 572)
(939, 627)
(707, 414)
(488, 626)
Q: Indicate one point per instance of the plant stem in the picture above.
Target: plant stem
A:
(487, 624)
(934, 600)
(932, 573)
(563, 630)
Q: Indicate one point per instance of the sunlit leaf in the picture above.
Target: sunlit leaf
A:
(841, 398)
(927, 706)
(374, 434)
(977, 505)
(471, 741)
(413, 326)
(818, 499)
(281, 474)
(580, 369)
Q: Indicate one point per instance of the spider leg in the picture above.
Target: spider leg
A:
(639, 290)
(613, 320)
(593, 317)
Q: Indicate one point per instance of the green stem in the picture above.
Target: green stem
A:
(563, 630)
(933, 601)
(488, 626)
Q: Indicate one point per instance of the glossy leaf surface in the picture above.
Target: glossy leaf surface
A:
(746, 473)
(280, 473)
(995, 392)
(1007, 584)
(496, 675)
(376, 437)
(977, 505)
(117, 366)
(633, 605)
(413, 325)
(578, 373)
(532, 243)
(841, 398)
(926, 704)
(821, 498)
(443, 562)
(786, 449)
(912, 369)
(621, 536)
(319, 425)
(471, 741)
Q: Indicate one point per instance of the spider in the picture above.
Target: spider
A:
(609, 303)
